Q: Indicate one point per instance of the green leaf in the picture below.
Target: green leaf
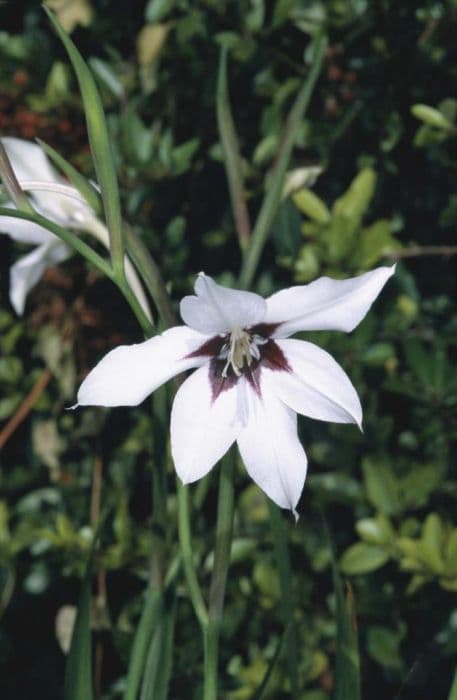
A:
(382, 487)
(286, 229)
(431, 116)
(347, 671)
(373, 243)
(100, 144)
(306, 267)
(339, 238)
(431, 544)
(138, 141)
(107, 77)
(272, 197)
(149, 619)
(356, 200)
(159, 659)
(83, 186)
(78, 669)
(451, 553)
(383, 645)
(376, 530)
(453, 691)
(259, 694)
(158, 9)
(361, 558)
(419, 361)
(231, 152)
(311, 205)
(377, 354)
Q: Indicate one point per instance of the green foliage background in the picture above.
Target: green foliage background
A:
(382, 127)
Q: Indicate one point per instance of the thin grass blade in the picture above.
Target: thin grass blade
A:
(272, 197)
(159, 661)
(347, 672)
(231, 151)
(148, 623)
(100, 144)
(83, 186)
(259, 694)
(78, 670)
(453, 691)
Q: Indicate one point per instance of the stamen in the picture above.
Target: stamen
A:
(240, 350)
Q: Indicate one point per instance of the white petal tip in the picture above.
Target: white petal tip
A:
(295, 514)
(72, 408)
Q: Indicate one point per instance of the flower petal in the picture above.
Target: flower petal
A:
(31, 164)
(127, 374)
(217, 309)
(270, 447)
(26, 272)
(24, 231)
(325, 304)
(202, 428)
(317, 386)
(28, 160)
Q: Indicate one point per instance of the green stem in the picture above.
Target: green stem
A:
(272, 198)
(224, 531)
(100, 144)
(287, 596)
(185, 543)
(211, 650)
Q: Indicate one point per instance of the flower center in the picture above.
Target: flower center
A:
(240, 349)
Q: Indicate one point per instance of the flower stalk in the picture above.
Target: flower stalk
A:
(224, 532)
(185, 543)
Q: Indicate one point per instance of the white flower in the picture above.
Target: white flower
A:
(250, 380)
(53, 198)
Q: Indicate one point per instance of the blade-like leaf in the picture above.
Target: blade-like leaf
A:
(10, 182)
(232, 158)
(78, 670)
(100, 145)
(159, 661)
(83, 186)
(453, 690)
(259, 693)
(141, 643)
(347, 672)
(272, 197)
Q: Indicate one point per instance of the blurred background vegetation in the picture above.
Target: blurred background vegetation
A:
(379, 140)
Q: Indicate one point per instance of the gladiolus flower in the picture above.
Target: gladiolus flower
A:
(251, 379)
(53, 198)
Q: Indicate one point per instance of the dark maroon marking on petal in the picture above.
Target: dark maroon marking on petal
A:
(252, 375)
(211, 348)
(265, 330)
(218, 382)
(273, 357)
